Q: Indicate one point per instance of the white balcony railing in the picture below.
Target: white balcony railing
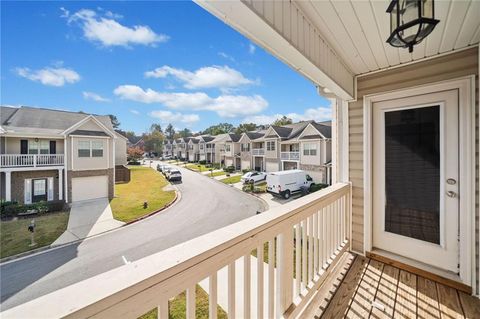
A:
(290, 156)
(258, 151)
(305, 237)
(31, 160)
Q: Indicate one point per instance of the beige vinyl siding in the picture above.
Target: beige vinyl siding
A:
(434, 70)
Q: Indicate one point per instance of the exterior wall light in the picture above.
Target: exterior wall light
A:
(411, 21)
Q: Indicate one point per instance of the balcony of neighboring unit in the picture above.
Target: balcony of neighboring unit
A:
(30, 160)
(258, 151)
(290, 156)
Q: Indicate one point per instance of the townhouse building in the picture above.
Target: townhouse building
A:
(204, 148)
(50, 155)
(231, 152)
(193, 153)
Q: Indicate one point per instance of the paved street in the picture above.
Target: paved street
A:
(205, 205)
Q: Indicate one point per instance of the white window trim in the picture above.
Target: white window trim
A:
(466, 88)
(38, 147)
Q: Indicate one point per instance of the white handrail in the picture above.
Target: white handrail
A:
(258, 151)
(319, 221)
(290, 156)
(31, 160)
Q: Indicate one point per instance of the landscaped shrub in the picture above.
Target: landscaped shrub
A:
(229, 169)
(317, 187)
(134, 163)
(202, 162)
(216, 165)
(42, 207)
(245, 171)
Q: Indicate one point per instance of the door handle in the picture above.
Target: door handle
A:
(451, 194)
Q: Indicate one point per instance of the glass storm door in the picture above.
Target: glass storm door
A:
(415, 178)
(39, 190)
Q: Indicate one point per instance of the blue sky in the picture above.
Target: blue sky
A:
(145, 62)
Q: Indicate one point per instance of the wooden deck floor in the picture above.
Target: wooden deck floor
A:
(365, 288)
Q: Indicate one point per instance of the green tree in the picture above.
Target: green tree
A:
(185, 133)
(282, 121)
(114, 120)
(156, 127)
(220, 128)
(245, 127)
(154, 142)
(170, 132)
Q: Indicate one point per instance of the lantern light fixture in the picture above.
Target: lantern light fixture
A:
(411, 21)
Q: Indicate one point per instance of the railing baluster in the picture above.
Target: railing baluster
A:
(231, 291)
(246, 286)
(335, 226)
(212, 300)
(324, 237)
(260, 282)
(284, 271)
(304, 254)
(162, 309)
(191, 302)
(298, 254)
(315, 243)
(271, 279)
(310, 249)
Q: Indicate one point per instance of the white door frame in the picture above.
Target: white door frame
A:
(466, 96)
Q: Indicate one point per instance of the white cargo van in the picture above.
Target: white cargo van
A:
(285, 183)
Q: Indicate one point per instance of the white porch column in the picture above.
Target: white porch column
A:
(60, 184)
(8, 186)
(340, 140)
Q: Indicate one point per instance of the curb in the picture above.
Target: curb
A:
(25, 253)
(177, 197)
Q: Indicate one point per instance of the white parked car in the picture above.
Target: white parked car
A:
(253, 177)
(174, 175)
(285, 183)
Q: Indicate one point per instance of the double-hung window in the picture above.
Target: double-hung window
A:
(227, 147)
(39, 147)
(97, 148)
(245, 147)
(271, 146)
(83, 148)
(310, 149)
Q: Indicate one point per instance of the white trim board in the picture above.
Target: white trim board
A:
(466, 90)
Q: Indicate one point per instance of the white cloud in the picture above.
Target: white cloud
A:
(94, 97)
(224, 105)
(206, 77)
(108, 32)
(226, 56)
(134, 112)
(251, 48)
(50, 76)
(318, 114)
(170, 117)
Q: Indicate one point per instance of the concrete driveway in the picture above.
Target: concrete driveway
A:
(88, 218)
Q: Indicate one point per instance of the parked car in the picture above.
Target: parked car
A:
(166, 169)
(286, 183)
(174, 175)
(253, 177)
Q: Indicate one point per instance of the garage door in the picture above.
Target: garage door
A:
(84, 188)
(245, 164)
(272, 167)
(228, 162)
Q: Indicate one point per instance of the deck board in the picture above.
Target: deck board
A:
(372, 289)
(406, 302)
(366, 291)
(386, 293)
(340, 303)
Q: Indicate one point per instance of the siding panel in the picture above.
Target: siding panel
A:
(439, 69)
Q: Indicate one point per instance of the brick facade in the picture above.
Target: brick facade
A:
(18, 183)
(87, 173)
(122, 174)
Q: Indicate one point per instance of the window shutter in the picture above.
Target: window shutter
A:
(23, 147)
(53, 147)
(50, 189)
(28, 192)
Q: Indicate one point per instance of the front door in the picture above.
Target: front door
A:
(415, 178)
(39, 190)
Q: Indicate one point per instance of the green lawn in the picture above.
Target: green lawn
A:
(177, 307)
(198, 167)
(15, 237)
(145, 185)
(231, 180)
(220, 173)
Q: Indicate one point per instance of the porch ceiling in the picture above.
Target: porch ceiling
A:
(357, 31)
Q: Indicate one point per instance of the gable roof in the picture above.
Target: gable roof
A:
(44, 121)
(289, 131)
(324, 128)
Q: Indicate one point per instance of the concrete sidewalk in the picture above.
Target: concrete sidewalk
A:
(88, 218)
